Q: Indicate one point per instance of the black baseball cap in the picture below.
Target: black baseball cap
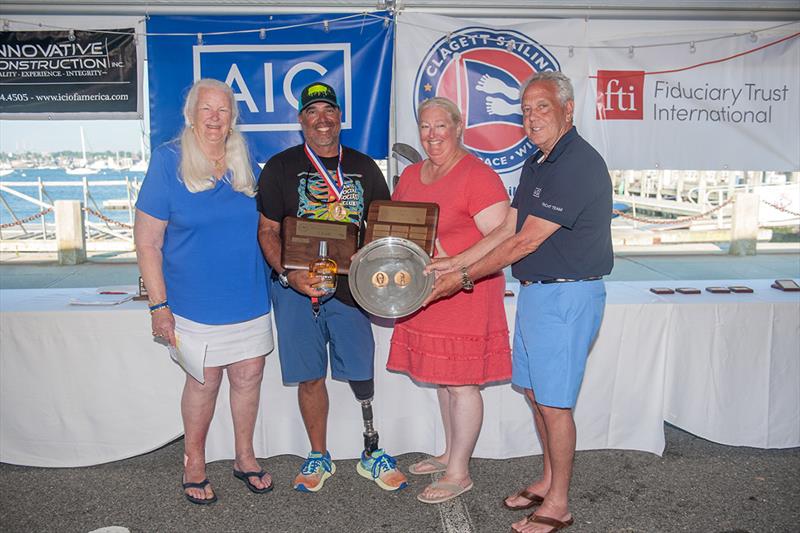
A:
(318, 92)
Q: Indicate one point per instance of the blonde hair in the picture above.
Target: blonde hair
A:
(196, 171)
(449, 107)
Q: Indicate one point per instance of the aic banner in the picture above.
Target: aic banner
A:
(702, 95)
(267, 61)
(68, 74)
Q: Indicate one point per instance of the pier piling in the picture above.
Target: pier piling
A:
(744, 224)
(70, 234)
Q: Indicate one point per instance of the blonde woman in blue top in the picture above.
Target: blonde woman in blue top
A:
(196, 243)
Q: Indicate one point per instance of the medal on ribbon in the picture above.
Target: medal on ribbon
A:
(335, 183)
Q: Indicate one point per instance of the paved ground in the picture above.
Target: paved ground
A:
(697, 486)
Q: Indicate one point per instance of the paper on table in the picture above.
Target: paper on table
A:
(190, 354)
(101, 299)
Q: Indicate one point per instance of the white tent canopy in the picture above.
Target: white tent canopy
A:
(637, 9)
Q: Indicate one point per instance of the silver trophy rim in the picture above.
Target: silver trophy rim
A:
(385, 241)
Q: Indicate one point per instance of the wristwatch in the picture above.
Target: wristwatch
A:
(466, 283)
(283, 279)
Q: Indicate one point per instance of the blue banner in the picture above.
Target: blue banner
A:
(267, 61)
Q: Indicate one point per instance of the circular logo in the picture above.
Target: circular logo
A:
(481, 70)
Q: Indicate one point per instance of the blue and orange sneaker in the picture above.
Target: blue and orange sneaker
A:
(315, 470)
(381, 468)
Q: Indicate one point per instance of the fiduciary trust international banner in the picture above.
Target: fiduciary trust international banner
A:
(666, 94)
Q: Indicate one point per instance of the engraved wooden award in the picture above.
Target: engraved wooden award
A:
(300, 239)
(415, 221)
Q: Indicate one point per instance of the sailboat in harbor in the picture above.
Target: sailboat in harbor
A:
(143, 163)
(82, 168)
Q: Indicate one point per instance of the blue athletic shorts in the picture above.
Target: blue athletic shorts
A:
(556, 325)
(304, 341)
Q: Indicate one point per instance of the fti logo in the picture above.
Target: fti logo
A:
(481, 70)
(620, 95)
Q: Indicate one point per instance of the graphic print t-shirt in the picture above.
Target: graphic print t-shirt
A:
(290, 186)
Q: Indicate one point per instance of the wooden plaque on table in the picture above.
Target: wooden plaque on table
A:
(415, 221)
(300, 239)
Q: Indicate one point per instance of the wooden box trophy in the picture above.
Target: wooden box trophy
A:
(300, 238)
(415, 221)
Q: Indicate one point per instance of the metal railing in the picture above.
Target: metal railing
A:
(103, 228)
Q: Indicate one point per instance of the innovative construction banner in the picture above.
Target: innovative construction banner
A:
(267, 61)
(68, 74)
(700, 95)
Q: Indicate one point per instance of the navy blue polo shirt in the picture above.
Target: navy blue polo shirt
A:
(572, 188)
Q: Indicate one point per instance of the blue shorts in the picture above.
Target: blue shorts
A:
(304, 341)
(556, 325)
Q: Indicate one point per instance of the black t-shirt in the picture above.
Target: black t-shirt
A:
(290, 186)
(572, 188)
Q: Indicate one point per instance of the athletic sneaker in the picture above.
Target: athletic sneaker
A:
(381, 468)
(315, 470)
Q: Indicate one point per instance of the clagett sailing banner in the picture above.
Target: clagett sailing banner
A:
(267, 61)
(691, 95)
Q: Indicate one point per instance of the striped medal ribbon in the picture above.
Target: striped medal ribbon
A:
(335, 185)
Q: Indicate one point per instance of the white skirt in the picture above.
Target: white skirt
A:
(230, 343)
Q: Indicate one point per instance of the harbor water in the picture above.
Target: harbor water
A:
(49, 185)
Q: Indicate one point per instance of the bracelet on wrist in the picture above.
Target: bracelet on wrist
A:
(161, 305)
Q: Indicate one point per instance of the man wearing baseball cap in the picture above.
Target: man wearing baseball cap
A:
(321, 179)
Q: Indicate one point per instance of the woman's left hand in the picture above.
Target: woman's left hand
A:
(163, 323)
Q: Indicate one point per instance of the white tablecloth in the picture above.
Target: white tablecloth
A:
(88, 385)
(81, 385)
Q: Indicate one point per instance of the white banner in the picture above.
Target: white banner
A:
(713, 102)
(727, 103)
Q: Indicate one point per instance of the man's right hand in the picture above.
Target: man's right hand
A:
(300, 281)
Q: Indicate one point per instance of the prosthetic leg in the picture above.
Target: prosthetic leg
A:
(375, 463)
(364, 391)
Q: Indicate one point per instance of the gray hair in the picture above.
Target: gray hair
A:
(196, 171)
(194, 93)
(562, 82)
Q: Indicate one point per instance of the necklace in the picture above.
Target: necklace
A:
(216, 161)
(218, 166)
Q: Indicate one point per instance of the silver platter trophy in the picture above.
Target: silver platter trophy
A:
(386, 277)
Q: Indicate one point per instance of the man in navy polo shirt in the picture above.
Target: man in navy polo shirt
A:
(557, 236)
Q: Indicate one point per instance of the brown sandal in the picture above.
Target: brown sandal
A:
(555, 524)
(535, 500)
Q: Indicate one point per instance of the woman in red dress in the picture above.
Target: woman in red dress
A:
(458, 343)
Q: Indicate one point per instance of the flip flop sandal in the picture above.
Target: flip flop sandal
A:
(535, 500)
(245, 477)
(454, 489)
(434, 467)
(554, 523)
(201, 485)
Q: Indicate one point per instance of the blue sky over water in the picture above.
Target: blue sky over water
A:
(17, 136)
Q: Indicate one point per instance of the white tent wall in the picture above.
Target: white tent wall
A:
(637, 9)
